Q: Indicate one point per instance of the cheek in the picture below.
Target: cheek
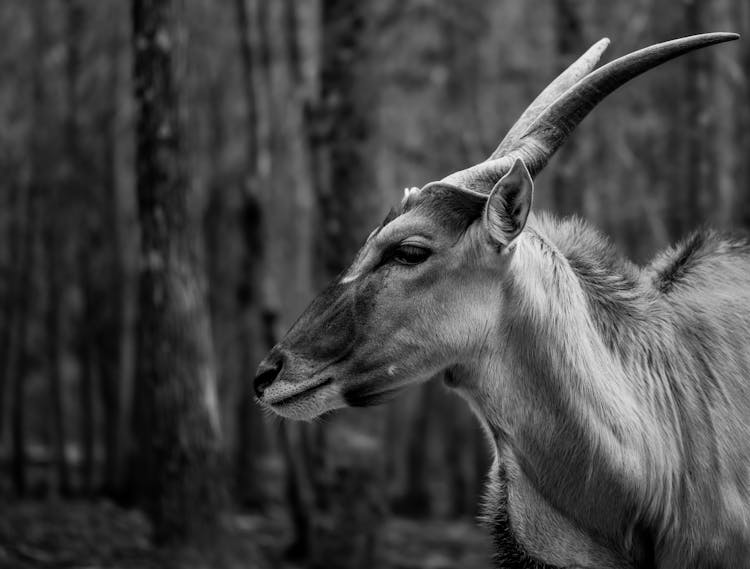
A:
(430, 314)
(367, 301)
(464, 315)
(422, 282)
(384, 310)
(390, 324)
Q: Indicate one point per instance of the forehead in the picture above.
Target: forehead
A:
(446, 207)
(437, 214)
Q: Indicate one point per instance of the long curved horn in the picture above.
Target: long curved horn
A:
(578, 69)
(551, 128)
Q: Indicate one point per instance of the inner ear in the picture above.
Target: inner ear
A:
(509, 204)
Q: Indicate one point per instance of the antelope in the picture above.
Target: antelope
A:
(616, 397)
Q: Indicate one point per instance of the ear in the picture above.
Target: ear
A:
(508, 206)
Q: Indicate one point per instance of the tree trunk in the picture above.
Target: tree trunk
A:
(457, 439)
(18, 402)
(16, 205)
(567, 186)
(54, 348)
(350, 462)
(245, 36)
(77, 185)
(683, 103)
(23, 255)
(726, 118)
(415, 500)
(698, 177)
(55, 238)
(291, 37)
(177, 423)
(87, 362)
(252, 432)
(744, 142)
(111, 341)
(117, 347)
(297, 501)
(18, 357)
(344, 119)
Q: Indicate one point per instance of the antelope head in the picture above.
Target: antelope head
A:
(421, 296)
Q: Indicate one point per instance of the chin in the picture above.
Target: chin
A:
(307, 406)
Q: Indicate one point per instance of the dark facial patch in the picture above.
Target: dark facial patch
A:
(370, 393)
(326, 330)
(331, 326)
(449, 207)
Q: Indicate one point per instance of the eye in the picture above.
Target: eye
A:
(410, 254)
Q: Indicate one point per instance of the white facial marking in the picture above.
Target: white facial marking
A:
(350, 278)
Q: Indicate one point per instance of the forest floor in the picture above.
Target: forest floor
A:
(85, 535)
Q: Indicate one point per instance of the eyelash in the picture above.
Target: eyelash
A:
(410, 254)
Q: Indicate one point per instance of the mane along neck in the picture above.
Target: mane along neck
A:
(561, 390)
(617, 395)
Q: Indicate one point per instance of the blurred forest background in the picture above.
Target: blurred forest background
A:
(178, 179)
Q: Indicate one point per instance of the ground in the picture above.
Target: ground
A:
(85, 535)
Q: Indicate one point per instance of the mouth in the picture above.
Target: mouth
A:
(290, 398)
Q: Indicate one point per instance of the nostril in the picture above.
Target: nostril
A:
(267, 373)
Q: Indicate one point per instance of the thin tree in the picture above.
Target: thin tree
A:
(569, 44)
(24, 235)
(177, 423)
(699, 176)
(115, 333)
(414, 500)
(75, 189)
(17, 364)
(79, 183)
(251, 429)
(744, 142)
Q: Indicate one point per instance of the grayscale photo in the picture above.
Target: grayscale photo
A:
(359, 284)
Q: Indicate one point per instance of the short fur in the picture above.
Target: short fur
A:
(675, 334)
(616, 397)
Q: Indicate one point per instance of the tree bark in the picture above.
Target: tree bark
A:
(567, 186)
(18, 350)
(291, 36)
(744, 143)
(177, 423)
(727, 117)
(24, 258)
(343, 121)
(87, 361)
(415, 500)
(8, 342)
(252, 432)
(696, 114)
(113, 338)
(18, 401)
(54, 348)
